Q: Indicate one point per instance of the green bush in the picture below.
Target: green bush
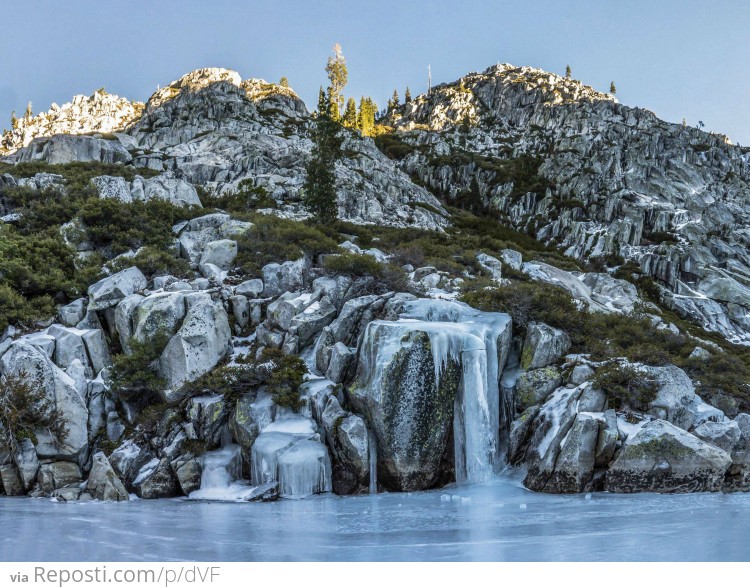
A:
(154, 262)
(394, 147)
(246, 198)
(231, 381)
(38, 264)
(273, 239)
(283, 374)
(528, 302)
(134, 376)
(385, 277)
(626, 387)
(649, 354)
(119, 227)
(353, 264)
(285, 381)
(19, 311)
(25, 409)
(723, 372)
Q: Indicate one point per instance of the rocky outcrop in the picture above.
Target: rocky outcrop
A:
(663, 458)
(103, 483)
(99, 113)
(165, 187)
(543, 346)
(60, 149)
(109, 291)
(554, 157)
(202, 340)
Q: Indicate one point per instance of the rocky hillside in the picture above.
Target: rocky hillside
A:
(216, 131)
(99, 113)
(598, 179)
(173, 324)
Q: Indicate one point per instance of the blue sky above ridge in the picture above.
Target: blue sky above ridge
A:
(681, 59)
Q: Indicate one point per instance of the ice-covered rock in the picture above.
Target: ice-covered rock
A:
(433, 370)
(304, 469)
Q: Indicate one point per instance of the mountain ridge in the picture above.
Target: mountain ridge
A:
(547, 155)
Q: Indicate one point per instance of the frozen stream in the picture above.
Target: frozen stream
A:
(498, 520)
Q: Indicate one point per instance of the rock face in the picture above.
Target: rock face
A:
(157, 481)
(663, 458)
(163, 187)
(543, 346)
(554, 157)
(218, 130)
(110, 290)
(675, 395)
(535, 386)
(60, 149)
(433, 371)
(201, 342)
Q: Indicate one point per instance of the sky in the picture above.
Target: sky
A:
(679, 58)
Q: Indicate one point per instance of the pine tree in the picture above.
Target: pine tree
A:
(29, 113)
(322, 102)
(394, 101)
(407, 95)
(284, 82)
(319, 190)
(350, 114)
(338, 76)
(13, 120)
(366, 116)
(612, 88)
(567, 71)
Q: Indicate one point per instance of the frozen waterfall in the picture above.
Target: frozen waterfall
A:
(221, 476)
(459, 335)
(288, 452)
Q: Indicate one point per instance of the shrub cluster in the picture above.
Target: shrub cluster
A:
(273, 239)
(25, 410)
(626, 387)
(283, 374)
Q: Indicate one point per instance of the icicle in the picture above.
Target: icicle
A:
(373, 455)
(304, 469)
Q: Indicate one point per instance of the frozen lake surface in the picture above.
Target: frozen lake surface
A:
(495, 521)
